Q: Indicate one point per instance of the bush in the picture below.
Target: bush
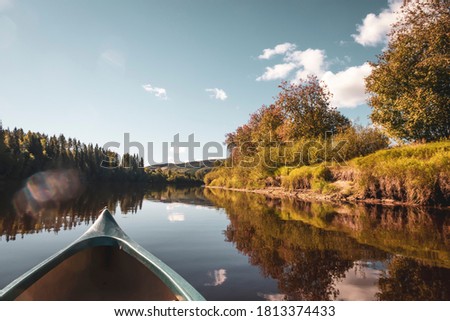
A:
(360, 141)
(308, 177)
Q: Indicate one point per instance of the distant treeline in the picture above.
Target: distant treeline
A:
(23, 154)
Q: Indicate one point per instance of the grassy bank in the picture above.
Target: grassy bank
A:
(414, 174)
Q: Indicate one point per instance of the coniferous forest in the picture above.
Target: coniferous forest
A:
(23, 154)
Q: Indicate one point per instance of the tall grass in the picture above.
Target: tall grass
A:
(316, 178)
(417, 174)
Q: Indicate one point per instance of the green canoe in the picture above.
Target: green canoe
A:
(103, 264)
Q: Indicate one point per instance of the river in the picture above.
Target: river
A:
(244, 246)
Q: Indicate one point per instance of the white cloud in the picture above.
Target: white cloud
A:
(374, 28)
(348, 86)
(278, 50)
(279, 71)
(217, 93)
(161, 93)
(310, 61)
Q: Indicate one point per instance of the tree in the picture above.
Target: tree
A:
(307, 109)
(5, 158)
(302, 110)
(261, 130)
(410, 82)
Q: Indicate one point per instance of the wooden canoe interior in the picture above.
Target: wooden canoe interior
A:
(99, 273)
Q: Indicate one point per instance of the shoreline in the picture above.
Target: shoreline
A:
(311, 196)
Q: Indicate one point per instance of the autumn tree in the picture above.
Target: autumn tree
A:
(308, 110)
(301, 110)
(260, 130)
(410, 82)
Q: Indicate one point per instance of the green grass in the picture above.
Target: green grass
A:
(316, 178)
(416, 174)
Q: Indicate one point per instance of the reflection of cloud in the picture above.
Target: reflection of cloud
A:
(205, 207)
(273, 296)
(176, 217)
(171, 206)
(359, 283)
(219, 276)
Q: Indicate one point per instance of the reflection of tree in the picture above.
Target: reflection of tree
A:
(188, 195)
(64, 215)
(307, 261)
(307, 246)
(408, 279)
(56, 216)
(421, 233)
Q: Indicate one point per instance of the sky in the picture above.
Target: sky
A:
(96, 70)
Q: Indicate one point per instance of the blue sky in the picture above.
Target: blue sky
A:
(97, 69)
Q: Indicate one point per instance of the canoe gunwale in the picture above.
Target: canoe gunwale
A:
(105, 232)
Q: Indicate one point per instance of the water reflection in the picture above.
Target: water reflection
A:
(407, 279)
(219, 277)
(411, 231)
(314, 251)
(320, 252)
(306, 261)
(83, 208)
(176, 217)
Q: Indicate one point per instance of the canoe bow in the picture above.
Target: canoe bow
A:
(105, 232)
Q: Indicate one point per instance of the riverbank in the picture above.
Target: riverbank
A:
(312, 196)
(408, 175)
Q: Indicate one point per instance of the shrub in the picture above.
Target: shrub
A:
(360, 141)
(308, 177)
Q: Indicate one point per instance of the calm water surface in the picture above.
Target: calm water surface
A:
(242, 246)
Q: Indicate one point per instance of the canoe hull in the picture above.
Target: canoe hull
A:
(99, 273)
(108, 265)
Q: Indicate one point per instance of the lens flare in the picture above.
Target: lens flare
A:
(49, 188)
